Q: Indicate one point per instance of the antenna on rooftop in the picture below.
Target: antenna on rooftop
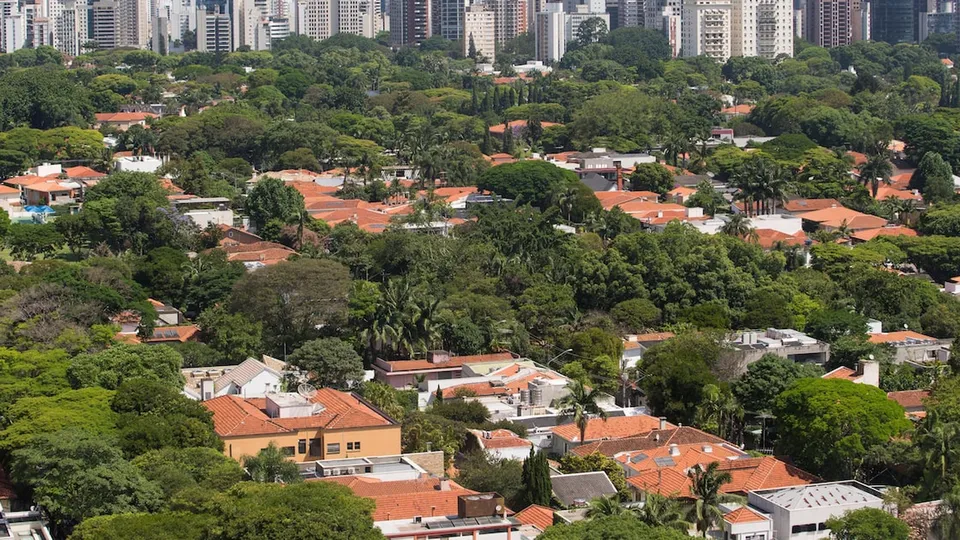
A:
(306, 390)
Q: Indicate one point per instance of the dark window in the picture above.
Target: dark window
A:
(288, 450)
(316, 447)
(356, 445)
(302, 446)
(334, 448)
(810, 527)
(349, 446)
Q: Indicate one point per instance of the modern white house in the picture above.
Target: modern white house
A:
(249, 379)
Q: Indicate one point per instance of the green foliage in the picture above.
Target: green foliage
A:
(111, 367)
(271, 199)
(854, 417)
(676, 372)
(330, 362)
(481, 472)
(625, 527)
(468, 412)
(831, 324)
(422, 431)
(175, 470)
(271, 465)
(934, 178)
(29, 241)
(527, 182)
(573, 463)
(868, 524)
(651, 177)
(535, 479)
(162, 526)
(30, 417)
(232, 335)
(767, 378)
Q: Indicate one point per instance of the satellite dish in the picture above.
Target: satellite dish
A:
(306, 390)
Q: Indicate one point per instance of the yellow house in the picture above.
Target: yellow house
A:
(330, 425)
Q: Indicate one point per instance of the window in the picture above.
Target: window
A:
(302, 446)
(334, 448)
(287, 450)
(316, 446)
(349, 446)
(356, 445)
(810, 527)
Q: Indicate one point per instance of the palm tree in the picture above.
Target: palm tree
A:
(674, 146)
(947, 524)
(938, 450)
(875, 171)
(606, 506)
(824, 236)
(580, 404)
(738, 225)
(706, 487)
(660, 511)
(270, 465)
(720, 413)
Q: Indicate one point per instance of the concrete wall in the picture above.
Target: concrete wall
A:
(432, 462)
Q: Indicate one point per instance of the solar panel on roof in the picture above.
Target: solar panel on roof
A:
(664, 462)
(638, 458)
(439, 525)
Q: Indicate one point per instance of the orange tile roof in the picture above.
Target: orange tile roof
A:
(124, 116)
(842, 372)
(454, 362)
(368, 219)
(947, 62)
(25, 180)
(767, 238)
(184, 334)
(869, 234)
(909, 399)
(8, 190)
(834, 217)
(609, 199)
(366, 486)
(498, 129)
(809, 205)
(47, 186)
(743, 515)
(743, 108)
(82, 172)
(506, 387)
(747, 473)
(234, 416)
(265, 252)
(682, 190)
(499, 438)
(901, 180)
(538, 516)
(859, 158)
(426, 504)
(667, 482)
(903, 335)
(884, 192)
(617, 427)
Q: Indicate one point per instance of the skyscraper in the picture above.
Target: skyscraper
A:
(213, 30)
(448, 18)
(631, 12)
(550, 33)
(479, 32)
(410, 22)
(834, 23)
(893, 21)
(707, 29)
(762, 28)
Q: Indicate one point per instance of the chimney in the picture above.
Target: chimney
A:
(674, 450)
(444, 484)
(619, 167)
(438, 357)
(663, 422)
(869, 372)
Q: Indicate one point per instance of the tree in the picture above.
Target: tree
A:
(868, 524)
(293, 299)
(651, 177)
(947, 523)
(831, 324)
(30, 417)
(591, 30)
(706, 487)
(636, 315)
(162, 526)
(677, 371)
(662, 512)
(111, 367)
(271, 199)
(766, 378)
(467, 412)
(330, 362)
(605, 506)
(933, 178)
(75, 474)
(624, 527)
(535, 478)
(176, 470)
(271, 465)
(303, 510)
(856, 417)
(527, 182)
(232, 335)
(876, 171)
(483, 473)
(738, 225)
(27, 241)
(580, 404)
(720, 414)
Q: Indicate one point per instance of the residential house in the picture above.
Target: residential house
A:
(144, 164)
(518, 127)
(867, 372)
(256, 255)
(438, 365)
(233, 235)
(744, 109)
(578, 489)
(122, 121)
(798, 207)
(536, 518)
(499, 443)
(166, 335)
(831, 219)
(376, 469)
(657, 438)
(10, 200)
(912, 402)
(250, 379)
(747, 347)
(634, 345)
(330, 424)
(952, 285)
(166, 315)
(567, 436)
(890, 230)
(23, 525)
(914, 347)
(680, 194)
(205, 211)
(745, 523)
(51, 184)
(802, 511)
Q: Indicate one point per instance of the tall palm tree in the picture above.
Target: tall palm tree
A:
(737, 225)
(580, 404)
(660, 511)
(940, 453)
(707, 483)
(875, 171)
(606, 506)
(720, 413)
(675, 145)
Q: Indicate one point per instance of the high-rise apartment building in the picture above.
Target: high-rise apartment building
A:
(707, 29)
(251, 24)
(410, 22)
(14, 30)
(103, 23)
(550, 33)
(631, 12)
(941, 22)
(762, 28)
(448, 18)
(893, 21)
(120, 23)
(834, 23)
(69, 28)
(321, 19)
(214, 30)
(479, 32)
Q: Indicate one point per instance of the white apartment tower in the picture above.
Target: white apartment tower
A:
(510, 18)
(321, 19)
(133, 23)
(632, 12)
(583, 12)
(479, 29)
(69, 27)
(707, 29)
(104, 23)
(550, 44)
(213, 31)
(762, 28)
